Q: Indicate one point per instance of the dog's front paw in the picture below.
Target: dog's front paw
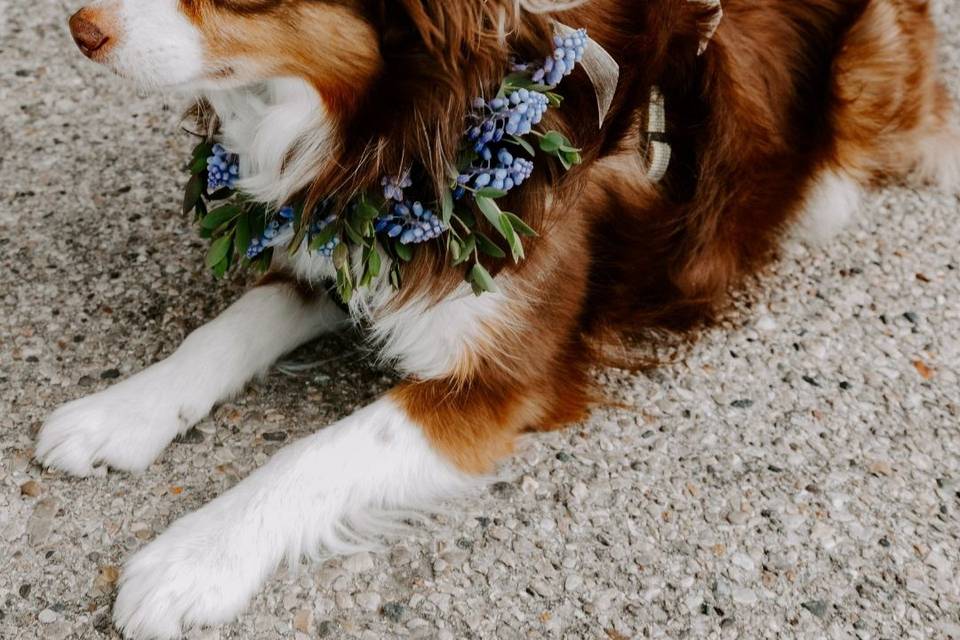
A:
(196, 573)
(125, 426)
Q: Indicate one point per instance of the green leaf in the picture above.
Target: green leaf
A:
(396, 279)
(455, 247)
(516, 247)
(490, 192)
(221, 194)
(344, 284)
(200, 210)
(220, 216)
(242, 238)
(203, 150)
(467, 247)
(446, 206)
(555, 98)
(367, 211)
(324, 236)
(481, 280)
(488, 246)
(192, 193)
(197, 165)
(220, 269)
(355, 235)
(372, 265)
(489, 209)
(552, 141)
(341, 256)
(403, 251)
(219, 250)
(523, 143)
(520, 226)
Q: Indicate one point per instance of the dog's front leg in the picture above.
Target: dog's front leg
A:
(127, 425)
(482, 372)
(315, 495)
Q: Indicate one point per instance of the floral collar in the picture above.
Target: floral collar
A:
(500, 142)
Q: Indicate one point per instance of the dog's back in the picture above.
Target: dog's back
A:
(798, 107)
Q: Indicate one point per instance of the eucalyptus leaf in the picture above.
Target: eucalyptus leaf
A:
(552, 141)
(344, 284)
(446, 206)
(488, 246)
(341, 256)
(221, 194)
(220, 269)
(220, 216)
(396, 280)
(367, 211)
(516, 247)
(197, 166)
(490, 192)
(200, 209)
(219, 250)
(242, 236)
(192, 193)
(455, 247)
(374, 262)
(355, 236)
(520, 226)
(481, 280)
(403, 251)
(489, 209)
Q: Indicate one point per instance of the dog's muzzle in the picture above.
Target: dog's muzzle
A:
(89, 33)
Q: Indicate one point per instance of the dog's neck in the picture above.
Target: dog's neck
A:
(282, 133)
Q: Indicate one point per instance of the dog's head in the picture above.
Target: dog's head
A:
(398, 73)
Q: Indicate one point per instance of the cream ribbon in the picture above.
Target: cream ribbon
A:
(604, 74)
(601, 68)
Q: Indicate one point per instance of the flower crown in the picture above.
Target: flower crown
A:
(490, 165)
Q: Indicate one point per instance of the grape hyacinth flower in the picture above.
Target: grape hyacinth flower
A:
(411, 223)
(509, 172)
(223, 169)
(569, 51)
(515, 115)
(273, 233)
(326, 250)
(393, 186)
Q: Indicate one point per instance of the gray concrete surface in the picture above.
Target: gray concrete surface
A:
(797, 475)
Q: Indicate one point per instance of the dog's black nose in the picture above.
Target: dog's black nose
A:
(86, 34)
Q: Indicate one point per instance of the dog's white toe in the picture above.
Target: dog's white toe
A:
(192, 575)
(125, 427)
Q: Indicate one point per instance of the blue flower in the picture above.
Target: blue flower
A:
(326, 250)
(393, 186)
(223, 169)
(411, 223)
(509, 172)
(273, 234)
(568, 52)
(514, 115)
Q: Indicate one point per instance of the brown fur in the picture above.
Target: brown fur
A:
(786, 89)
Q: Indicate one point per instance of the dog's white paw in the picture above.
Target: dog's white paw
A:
(125, 426)
(199, 572)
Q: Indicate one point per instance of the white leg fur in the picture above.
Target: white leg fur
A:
(129, 424)
(831, 205)
(315, 495)
(939, 161)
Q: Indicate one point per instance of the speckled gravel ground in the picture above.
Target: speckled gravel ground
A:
(797, 475)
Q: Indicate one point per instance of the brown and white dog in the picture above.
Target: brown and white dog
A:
(794, 109)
